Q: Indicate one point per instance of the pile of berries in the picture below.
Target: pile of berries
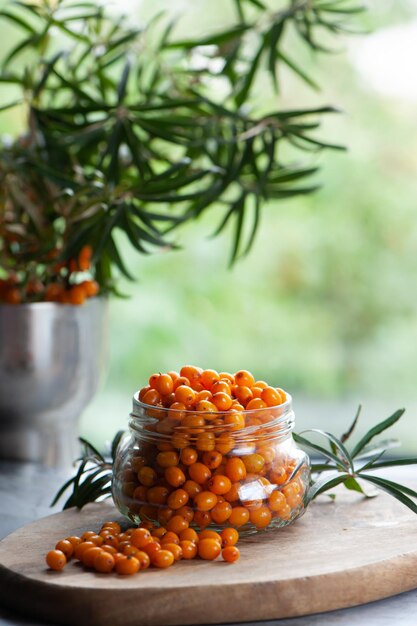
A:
(134, 549)
(203, 466)
(63, 286)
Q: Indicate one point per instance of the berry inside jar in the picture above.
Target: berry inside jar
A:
(211, 449)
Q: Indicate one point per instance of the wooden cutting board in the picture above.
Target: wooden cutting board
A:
(339, 554)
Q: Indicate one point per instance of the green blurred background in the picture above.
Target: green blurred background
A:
(325, 304)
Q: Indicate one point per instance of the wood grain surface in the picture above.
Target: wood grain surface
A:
(338, 555)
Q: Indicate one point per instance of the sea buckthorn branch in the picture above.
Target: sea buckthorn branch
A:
(126, 133)
(347, 467)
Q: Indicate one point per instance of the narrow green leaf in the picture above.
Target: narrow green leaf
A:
(324, 484)
(352, 427)
(376, 430)
(115, 443)
(392, 489)
(336, 442)
(323, 451)
(216, 39)
(390, 463)
(297, 70)
(91, 449)
(18, 20)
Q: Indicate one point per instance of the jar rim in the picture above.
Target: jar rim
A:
(280, 425)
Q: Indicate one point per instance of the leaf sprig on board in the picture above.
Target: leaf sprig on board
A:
(137, 131)
(92, 480)
(353, 468)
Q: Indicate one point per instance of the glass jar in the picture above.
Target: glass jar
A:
(201, 471)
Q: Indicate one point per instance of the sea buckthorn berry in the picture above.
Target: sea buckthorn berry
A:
(122, 545)
(255, 404)
(193, 421)
(268, 454)
(209, 377)
(109, 549)
(221, 512)
(243, 394)
(271, 396)
(174, 375)
(99, 540)
(66, 547)
(175, 549)
(205, 442)
(76, 295)
(185, 394)
(157, 495)
(181, 380)
(192, 488)
(91, 288)
(205, 501)
(233, 494)
(204, 394)
(202, 518)
(115, 526)
(140, 494)
(278, 476)
(164, 515)
(239, 516)
(140, 537)
(222, 386)
(235, 469)
(188, 456)
(219, 484)
(212, 459)
(143, 559)
(147, 476)
(176, 524)
(159, 532)
(151, 548)
(74, 540)
(230, 554)
(261, 517)
(283, 394)
(89, 556)
(56, 559)
(254, 463)
(229, 536)
(127, 566)
(224, 443)
(165, 385)
(151, 397)
(191, 372)
(235, 420)
(206, 406)
(110, 540)
(210, 534)
(177, 499)
(187, 512)
(162, 559)
(174, 477)
(143, 391)
(188, 534)
(222, 401)
(285, 513)
(153, 380)
(208, 549)
(199, 472)
(104, 562)
(243, 378)
(189, 549)
(256, 391)
(167, 459)
(170, 537)
(81, 548)
(86, 536)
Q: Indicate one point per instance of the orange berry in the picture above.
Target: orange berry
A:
(175, 549)
(115, 526)
(56, 559)
(157, 495)
(205, 442)
(127, 566)
(104, 562)
(277, 501)
(205, 501)
(185, 394)
(222, 386)
(219, 484)
(224, 443)
(222, 401)
(86, 536)
(170, 537)
(188, 456)
(188, 534)
(206, 406)
(186, 512)
(239, 516)
(164, 384)
(176, 524)
(151, 397)
(174, 375)
(89, 556)
(143, 391)
(235, 469)
(140, 537)
(210, 534)
(167, 459)
(12, 296)
(255, 404)
(191, 372)
(243, 394)
(209, 377)
(256, 392)
(221, 512)
(81, 548)
(193, 420)
(271, 396)
(66, 547)
(261, 517)
(174, 476)
(202, 519)
(76, 295)
(91, 288)
(199, 472)
(235, 420)
(162, 559)
(147, 476)
(233, 494)
(74, 540)
(229, 536)
(230, 554)
(192, 488)
(151, 548)
(109, 549)
(254, 463)
(212, 459)
(178, 498)
(208, 549)
(143, 559)
(189, 549)
(243, 378)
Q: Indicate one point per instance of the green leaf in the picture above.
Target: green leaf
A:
(352, 484)
(390, 463)
(324, 484)
(10, 105)
(114, 444)
(346, 457)
(216, 39)
(376, 430)
(90, 449)
(393, 489)
(352, 427)
(323, 451)
(242, 94)
(275, 35)
(297, 70)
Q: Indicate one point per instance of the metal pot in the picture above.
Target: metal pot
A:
(51, 357)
